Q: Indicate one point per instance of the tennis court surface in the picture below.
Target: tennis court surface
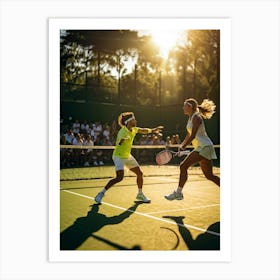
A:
(122, 223)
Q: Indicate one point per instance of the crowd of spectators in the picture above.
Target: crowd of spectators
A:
(95, 133)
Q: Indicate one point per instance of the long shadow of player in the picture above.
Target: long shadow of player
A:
(209, 240)
(84, 227)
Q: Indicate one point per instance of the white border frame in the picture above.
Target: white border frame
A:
(255, 199)
(222, 24)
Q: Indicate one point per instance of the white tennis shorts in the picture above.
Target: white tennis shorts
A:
(120, 163)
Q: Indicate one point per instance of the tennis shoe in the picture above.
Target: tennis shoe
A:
(143, 198)
(99, 197)
(174, 195)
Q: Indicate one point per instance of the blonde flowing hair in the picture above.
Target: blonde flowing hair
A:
(206, 109)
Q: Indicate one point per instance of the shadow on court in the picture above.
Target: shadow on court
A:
(113, 244)
(84, 227)
(204, 241)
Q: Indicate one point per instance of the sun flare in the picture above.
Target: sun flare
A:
(166, 40)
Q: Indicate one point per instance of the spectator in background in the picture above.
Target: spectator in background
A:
(150, 140)
(69, 137)
(168, 141)
(88, 155)
(98, 140)
(106, 142)
(97, 129)
(161, 141)
(106, 154)
(155, 140)
(84, 127)
(98, 156)
(78, 154)
(106, 132)
(143, 140)
(76, 127)
(92, 134)
(78, 140)
(177, 139)
(93, 126)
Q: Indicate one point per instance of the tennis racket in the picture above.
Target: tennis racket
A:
(165, 156)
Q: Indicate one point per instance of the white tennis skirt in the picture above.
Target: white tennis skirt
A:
(207, 152)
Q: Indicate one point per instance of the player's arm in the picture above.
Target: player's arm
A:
(189, 137)
(183, 144)
(156, 130)
(122, 140)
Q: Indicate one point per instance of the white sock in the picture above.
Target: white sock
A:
(104, 190)
(140, 191)
(179, 190)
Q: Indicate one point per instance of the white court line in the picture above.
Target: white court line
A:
(146, 215)
(184, 209)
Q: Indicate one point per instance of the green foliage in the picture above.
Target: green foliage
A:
(123, 63)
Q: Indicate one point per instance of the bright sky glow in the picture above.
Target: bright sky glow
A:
(165, 39)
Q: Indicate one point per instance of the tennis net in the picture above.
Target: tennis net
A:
(79, 162)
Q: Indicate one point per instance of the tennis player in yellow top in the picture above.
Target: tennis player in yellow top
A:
(122, 156)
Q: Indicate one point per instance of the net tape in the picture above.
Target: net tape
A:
(133, 147)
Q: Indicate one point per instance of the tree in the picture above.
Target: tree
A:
(94, 54)
(198, 64)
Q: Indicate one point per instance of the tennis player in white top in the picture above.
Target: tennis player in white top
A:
(204, 151)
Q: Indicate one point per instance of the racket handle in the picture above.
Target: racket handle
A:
(183, 153)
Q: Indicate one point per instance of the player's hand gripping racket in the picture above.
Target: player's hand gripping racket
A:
(166, 155)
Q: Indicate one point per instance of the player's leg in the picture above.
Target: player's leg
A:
(132, 164)
(139, 180)
(207, 169)
(119, 165)
(190, 160)
(117, 179)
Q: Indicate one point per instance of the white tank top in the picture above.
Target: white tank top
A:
(201, 138)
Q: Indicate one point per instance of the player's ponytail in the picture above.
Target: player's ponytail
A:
(207, 108)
